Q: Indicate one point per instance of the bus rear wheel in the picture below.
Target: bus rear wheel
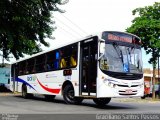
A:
(68, 95)
(24, 92)
(101, 101)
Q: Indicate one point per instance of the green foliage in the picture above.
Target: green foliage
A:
(146, 25)
(24, 24)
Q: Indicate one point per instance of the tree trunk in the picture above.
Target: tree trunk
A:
(153, 83)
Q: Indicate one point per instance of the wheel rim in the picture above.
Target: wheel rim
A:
(70, 95)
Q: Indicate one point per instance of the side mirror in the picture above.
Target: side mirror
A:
(102, 48)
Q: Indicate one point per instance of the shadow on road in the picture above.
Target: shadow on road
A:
(88, 103)
(110, 106)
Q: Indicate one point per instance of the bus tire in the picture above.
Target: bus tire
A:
(68, 95)
(49, 97)
(101, 101)
(24, 91)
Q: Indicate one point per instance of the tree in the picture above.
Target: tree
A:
(24, 25)
(147, 26)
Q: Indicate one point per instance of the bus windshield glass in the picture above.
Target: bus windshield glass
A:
(121, 56)
(121, 59)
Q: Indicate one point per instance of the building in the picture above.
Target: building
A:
(148, 77)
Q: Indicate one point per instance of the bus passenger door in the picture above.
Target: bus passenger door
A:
(88, 66)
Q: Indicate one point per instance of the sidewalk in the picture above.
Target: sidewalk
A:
(9, 94)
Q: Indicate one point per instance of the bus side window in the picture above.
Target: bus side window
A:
(56, 61)
(73, 56)
(50, 61)
(22, 68)
(40, 63)
(63, 63)
(30, 66)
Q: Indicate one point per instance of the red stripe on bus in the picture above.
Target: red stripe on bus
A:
(56, 91)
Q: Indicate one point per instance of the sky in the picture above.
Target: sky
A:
(85, 17)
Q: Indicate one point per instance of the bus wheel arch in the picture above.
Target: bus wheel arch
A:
(68, 94)
(66, 83)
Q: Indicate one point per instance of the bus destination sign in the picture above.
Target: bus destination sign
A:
(119, 38)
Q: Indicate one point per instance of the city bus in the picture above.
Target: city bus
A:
(98, 67)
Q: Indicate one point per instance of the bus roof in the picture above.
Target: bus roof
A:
(74, 41)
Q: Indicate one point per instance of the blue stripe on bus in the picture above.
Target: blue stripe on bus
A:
(22, 81)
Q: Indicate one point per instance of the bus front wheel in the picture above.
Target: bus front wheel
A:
(68, 95)
(101, 101)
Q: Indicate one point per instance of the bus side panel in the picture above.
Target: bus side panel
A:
(47, 83)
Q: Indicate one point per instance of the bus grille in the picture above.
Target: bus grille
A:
(123, 92)
(127, 85)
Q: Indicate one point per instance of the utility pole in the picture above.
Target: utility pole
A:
(158, 77)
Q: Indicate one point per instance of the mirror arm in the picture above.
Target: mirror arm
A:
(100, 57)
(101, 40)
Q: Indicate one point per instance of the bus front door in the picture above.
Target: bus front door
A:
(88, 66)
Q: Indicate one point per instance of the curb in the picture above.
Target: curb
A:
(8, 94)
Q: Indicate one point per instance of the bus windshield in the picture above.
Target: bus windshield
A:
(120, 58)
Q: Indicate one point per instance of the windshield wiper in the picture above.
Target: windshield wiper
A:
(119, 52)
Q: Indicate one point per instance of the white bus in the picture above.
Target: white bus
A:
(97, 67)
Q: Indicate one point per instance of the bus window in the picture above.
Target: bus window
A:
(30, 66)
(56, 61)
(68, 56)
(73, 56)
(21, 67)
(73, 61)
(40, 63)
(50, 61)
(63, 62)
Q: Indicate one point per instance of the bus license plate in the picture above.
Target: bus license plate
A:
(128, 91)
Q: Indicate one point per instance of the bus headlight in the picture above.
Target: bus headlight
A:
(110, 84)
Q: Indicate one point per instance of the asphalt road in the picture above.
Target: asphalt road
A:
(13, 106)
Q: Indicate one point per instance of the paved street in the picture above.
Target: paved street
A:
(15, 104)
